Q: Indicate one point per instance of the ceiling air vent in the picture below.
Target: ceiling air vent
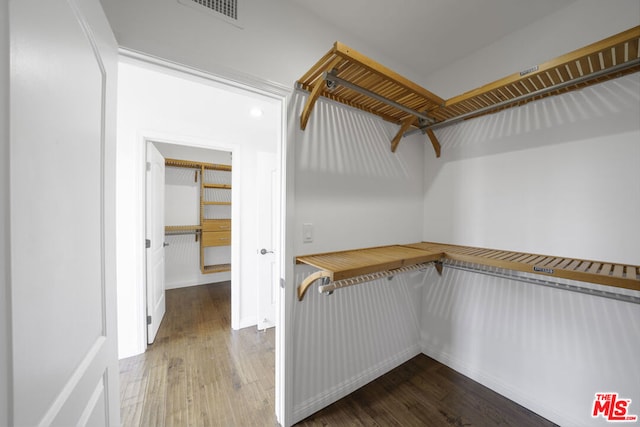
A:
(227, 10)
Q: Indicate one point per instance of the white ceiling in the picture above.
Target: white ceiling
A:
(425, 35)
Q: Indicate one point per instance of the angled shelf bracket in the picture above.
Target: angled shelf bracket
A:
(349, 77)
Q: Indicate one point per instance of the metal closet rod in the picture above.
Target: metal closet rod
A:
(572, 82)
(556, 285)
(333, 80)
(332, 286)
(181, 232)
(328, 287)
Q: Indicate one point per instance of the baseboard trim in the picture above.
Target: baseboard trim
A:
(499, 386)
(214, 278)
(326, 398)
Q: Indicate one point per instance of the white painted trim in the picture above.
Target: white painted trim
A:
(199, 282)
(6, 342)
(91, 404)
(236, 162)
(222, 75)
(74, 380)
(349, 385)
(490, 381)
(284, 352)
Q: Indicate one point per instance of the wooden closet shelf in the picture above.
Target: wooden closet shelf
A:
(348, 77)
(348, 264)
(218, 186)
(337, 266)
(217, 203)
(189, 164)
(182, 227)
(216, 268)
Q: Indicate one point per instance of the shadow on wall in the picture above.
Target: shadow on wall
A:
(603, 109)
(347, 339)
(344, 141)
(548, 349)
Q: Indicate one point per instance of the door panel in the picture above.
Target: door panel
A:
(155, 234)
(268, 275)
(63, 316)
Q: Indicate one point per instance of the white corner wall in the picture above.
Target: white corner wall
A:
(160, 106)
(356, 194)
(278, 43)
(558, 176)
(5, 278)
(581, 23)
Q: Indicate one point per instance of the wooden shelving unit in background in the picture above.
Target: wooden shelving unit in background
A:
(213, 232)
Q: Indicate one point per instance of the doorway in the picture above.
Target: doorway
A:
(166, 106)
(163, 106)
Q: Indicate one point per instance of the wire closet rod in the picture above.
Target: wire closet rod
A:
(559, 86)
(332, 286)
(548, 283)
(181, 232)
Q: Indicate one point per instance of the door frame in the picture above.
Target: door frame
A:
(236, 162)
(286, 165)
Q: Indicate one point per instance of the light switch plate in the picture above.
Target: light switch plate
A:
(307, 232)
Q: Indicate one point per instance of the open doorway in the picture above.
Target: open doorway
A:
(189, 113)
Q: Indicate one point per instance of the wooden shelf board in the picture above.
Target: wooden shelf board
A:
(189, 164)
(218, 186)
(352, 66)
(217, 203)
(216, 268)
(595, 63)
(599, 272)
(182, 227)
(353, 263)
(347, 264)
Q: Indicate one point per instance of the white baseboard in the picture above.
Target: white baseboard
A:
(499, 386)
(326, 398)
(214, 278)
(247, 322)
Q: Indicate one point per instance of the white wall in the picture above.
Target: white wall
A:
(579, 24)
(357, 194)
(279, 41)
(164, 108)
(5, 312)
(182, 207)
(558, 176)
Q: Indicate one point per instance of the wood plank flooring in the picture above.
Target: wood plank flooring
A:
(424, 392)
(201, 373)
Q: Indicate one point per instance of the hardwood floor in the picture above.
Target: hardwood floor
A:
(423, 392)
(201, 373)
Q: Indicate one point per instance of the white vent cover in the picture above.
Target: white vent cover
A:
(227, 10)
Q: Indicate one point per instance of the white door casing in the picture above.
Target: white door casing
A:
(155, 237)
(268, 238)
(62, 196)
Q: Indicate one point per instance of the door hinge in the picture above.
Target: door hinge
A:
(148, 320)
(147, 243)
(148, 166)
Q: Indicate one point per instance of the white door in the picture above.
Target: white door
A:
(155, 241)
(62, 212)
(268, 225)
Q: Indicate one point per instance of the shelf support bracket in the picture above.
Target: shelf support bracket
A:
(434, 141)
(406, 124)
(302, 289)
(315, 94)
(438, 265)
